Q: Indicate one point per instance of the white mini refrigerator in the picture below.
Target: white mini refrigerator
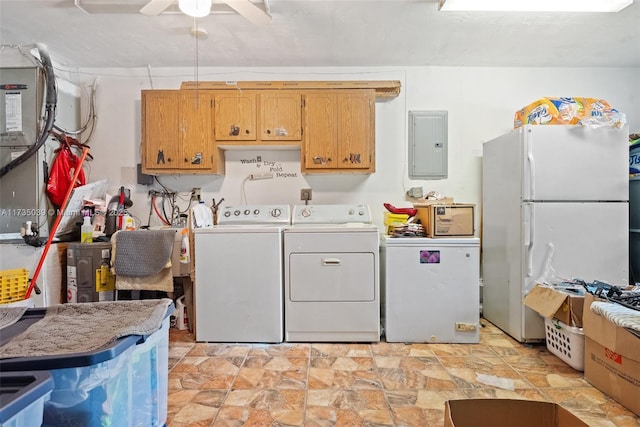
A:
(430, 289)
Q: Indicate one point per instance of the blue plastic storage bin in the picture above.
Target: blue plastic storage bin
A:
(22, 398)
(124, 384)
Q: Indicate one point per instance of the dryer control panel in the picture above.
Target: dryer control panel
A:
(331, 214)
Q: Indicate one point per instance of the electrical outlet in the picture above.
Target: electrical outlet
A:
(195, 194)
(461, 326)
(305, 194)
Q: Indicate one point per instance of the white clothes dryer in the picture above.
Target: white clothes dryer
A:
(331, 272)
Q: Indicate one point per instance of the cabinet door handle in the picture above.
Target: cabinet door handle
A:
(330, 261)
(268, 131)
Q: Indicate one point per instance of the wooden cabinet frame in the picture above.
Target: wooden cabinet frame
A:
(333, 123)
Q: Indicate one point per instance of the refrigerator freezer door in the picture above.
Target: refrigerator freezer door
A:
(576, 163)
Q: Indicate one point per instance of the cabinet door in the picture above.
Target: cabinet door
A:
(320, 141)
(281, 116)
(197, 130)
(161, 146)
(235, 116)
(355, 124)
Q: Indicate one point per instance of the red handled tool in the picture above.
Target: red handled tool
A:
(408, 211)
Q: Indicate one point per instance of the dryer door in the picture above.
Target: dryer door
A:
(331, 276)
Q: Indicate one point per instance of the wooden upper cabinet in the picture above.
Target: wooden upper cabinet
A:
(356, 130)
(339, 131)
(280, 116)
(177, 132)
(333, 123)
(160, 133)
(235, 116)
(197, 130)
(321, 136)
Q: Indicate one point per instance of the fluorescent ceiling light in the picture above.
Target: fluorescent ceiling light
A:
(195, 8)
(534, 5)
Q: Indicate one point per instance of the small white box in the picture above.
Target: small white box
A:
(566, 342)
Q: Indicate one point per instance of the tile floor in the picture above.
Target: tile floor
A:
(381, 384)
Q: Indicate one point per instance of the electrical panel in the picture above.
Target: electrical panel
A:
(428, 144)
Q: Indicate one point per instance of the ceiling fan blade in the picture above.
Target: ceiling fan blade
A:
(155, 7)
(250, 11)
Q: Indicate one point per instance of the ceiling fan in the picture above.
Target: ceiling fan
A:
(256, 11)
(246, 8)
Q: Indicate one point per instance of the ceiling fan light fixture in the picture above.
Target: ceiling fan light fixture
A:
(195, 8)
(534, 5)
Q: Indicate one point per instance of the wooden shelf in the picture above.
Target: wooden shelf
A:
(383, 88)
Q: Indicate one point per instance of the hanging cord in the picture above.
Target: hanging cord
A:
(50, 111)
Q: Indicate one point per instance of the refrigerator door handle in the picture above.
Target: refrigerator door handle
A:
(532, 172)
(529, 233)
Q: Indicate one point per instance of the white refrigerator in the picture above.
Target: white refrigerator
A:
(555, 206)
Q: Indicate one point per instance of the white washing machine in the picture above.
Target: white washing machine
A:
(331, 272)
(238, 275)
(430, 289)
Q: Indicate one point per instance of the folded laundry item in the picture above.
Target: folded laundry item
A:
(142, 253)
(142, 259)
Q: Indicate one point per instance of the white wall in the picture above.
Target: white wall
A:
(481, 103)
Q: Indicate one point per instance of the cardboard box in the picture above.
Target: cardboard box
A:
(549, 302)
(507, 413)
(452, 220)
(612, 358)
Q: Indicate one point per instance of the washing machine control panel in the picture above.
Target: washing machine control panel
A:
(331, 214)
(255, 214)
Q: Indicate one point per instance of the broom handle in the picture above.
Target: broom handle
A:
(53, 230)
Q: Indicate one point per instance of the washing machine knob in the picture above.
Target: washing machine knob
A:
(306, 212)
(227, 214)
(276, 213)
(247, 211)
(236, 212)
(351, 211)
(361, 213)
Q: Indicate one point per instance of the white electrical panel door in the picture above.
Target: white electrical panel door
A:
(428, 137)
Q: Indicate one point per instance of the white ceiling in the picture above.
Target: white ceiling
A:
(326, 33)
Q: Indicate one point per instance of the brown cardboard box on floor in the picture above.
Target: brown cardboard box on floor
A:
(507, 413)
(450, 220)
(550, 302)
(612, 358)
